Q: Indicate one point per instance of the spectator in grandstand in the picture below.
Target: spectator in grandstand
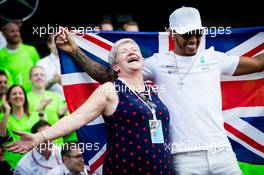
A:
(49, 105)
(17, 57)
(4, 165)
(2, 40)
(42, 158)
(131, 26)
(106, 25)
(51, 66)
(3, 87)
(73, 163)
(16, 117)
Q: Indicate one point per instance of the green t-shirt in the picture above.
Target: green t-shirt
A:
(20, 124)
(19, 63)
(52, 109)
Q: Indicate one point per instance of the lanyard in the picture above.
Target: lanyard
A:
(35, 160)
(151, 108)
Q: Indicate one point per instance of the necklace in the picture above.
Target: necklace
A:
(181, 78)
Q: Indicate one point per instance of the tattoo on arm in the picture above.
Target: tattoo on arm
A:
(95, 70)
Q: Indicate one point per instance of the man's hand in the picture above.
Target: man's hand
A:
(43, 104)
(65, 42)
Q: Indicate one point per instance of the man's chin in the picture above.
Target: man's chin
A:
(81, 169)
(15, 42)
(190, 52)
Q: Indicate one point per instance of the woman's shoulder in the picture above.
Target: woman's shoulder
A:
(107, 89)
(107, 86)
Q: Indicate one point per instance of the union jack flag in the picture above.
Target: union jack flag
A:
(243, 96)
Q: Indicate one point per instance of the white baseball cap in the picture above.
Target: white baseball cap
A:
(185, 19)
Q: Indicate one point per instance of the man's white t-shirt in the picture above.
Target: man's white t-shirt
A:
(33, 163)
(3, 42)
(190, 88)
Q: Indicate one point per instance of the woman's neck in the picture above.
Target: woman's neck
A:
(135, 81)
(18, 111)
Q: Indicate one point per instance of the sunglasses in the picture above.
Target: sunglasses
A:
(197, 33)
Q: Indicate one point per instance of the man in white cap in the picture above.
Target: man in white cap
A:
(199, 144)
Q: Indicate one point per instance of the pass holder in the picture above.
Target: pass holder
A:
(156, 131)
(155, 125)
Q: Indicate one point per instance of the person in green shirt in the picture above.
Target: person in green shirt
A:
(3, 82)
(49, 105)
(17, 57)
(3, 88)
(16, 117)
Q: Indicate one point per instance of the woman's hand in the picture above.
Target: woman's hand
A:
(65, 42)
(24, 144)
(6, 104)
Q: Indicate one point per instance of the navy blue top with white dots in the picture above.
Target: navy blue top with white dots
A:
(129, 146)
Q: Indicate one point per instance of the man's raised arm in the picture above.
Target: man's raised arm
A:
(249, 65)
(98, 72)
